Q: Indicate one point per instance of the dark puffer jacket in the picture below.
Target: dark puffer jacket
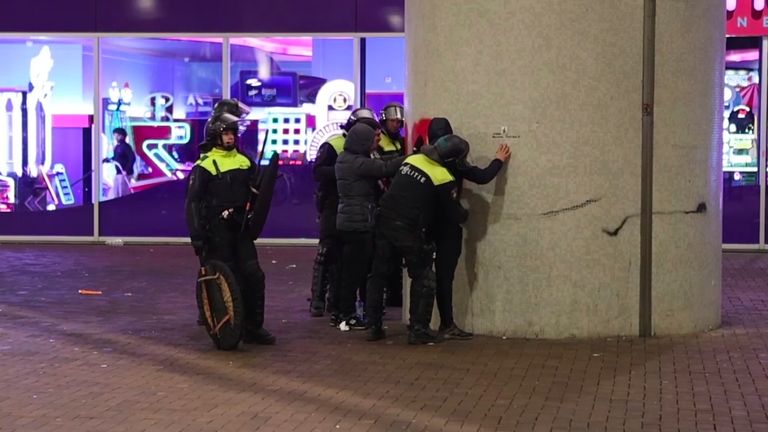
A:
(356, 176)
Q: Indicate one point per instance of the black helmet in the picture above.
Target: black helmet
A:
(361, 115)
(231, 106)
(393, 111)
(452, 150)
(218, 124)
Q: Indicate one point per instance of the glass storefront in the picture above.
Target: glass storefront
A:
(300, 91)
(156, 95)
(46, 109)
(741, 111)
(384, 71)
(153, 97)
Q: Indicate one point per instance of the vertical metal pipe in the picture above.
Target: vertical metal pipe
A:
(646, 189)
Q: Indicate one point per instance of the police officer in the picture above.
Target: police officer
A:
(392, 121)
(220, 185)
(448, 235)
(422, 191)
(391, 146)
(326, 272)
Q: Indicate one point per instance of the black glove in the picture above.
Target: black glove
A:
(199, 246)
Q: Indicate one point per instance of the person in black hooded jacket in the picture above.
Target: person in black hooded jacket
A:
(356, 181)
(326, 272)
(448, 235)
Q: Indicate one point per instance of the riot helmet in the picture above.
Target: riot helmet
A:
(361, 115)
(392, 119)
(215, 128)
(393, 111)
(450, 150)
(231, 106)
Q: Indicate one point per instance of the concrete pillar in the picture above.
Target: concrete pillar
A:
(552, 247)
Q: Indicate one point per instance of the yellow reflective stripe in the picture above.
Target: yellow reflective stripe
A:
(337, 142)
(436, 172)
(388, 145)
(226, 160)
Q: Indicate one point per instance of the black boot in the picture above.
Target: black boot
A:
(422, 336)
(454, 332)
(421, 311)
(375, 333)
(260, 336)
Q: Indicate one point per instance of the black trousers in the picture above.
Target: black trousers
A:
(395, 281)
(448, 239)
(235, 249)
(393, 238)
(357, 249)
(326, 273)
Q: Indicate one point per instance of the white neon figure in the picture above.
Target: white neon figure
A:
(730, 5)
(335, 101)
(114, 92)
(758, 4)
(10, 133)
(126, 94)
(39, 69)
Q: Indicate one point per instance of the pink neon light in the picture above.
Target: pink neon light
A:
(71, 120)
(742, 55)
(730, 5)
(295, 46)
(758, 4)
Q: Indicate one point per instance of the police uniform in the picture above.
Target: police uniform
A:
(392, 146)
(422, 191)
(219, 188)
(326, 271)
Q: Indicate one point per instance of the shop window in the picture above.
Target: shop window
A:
(300, 90)
(46, 108)
(156, 95)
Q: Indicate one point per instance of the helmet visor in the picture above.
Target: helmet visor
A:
(393, 112)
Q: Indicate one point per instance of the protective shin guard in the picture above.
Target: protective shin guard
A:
(320, 275)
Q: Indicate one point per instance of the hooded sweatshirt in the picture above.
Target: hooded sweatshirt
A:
(439, 127)
(356, 176)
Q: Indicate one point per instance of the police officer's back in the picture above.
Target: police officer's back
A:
(422, 191)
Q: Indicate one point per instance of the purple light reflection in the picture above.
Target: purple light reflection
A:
(293, 46)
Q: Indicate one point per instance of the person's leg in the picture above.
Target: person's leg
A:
(448, 251)
(395, 281)
(323, 271)
(418, 254)
(252, 290)
(383, 251)
(356, 252)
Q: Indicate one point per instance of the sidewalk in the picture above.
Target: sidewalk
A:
(133, 359)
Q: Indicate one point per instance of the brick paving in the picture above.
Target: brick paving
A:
(132, 359)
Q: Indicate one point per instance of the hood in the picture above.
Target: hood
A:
(438, 128)
(359, 139)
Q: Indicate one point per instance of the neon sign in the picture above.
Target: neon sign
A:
(746, 18)
(39, 130)
(11, 133)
